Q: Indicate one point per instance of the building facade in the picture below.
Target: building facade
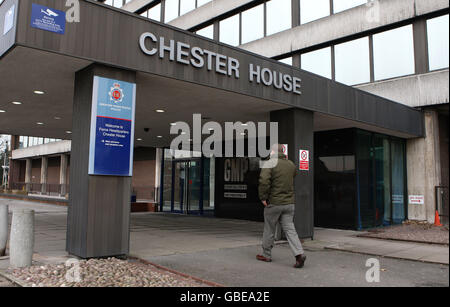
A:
(394, 49)
(376, 81)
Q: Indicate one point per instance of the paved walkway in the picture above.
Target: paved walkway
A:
(220, 250)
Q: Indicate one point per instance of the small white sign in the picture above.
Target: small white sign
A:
(235, 187)
(304, 160)
(285, 150)
(416, 199)
(235, 195)
(9, 20)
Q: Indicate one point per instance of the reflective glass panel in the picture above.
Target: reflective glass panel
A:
(155, 13)
(229, 30)
(438, 42)
(186, 6)
(253, 24)
(313, 9)
(353, 62)
(279, 16)
(342, 5)
(207, 32)
(393, 53)
(318, 62)
(171, 11)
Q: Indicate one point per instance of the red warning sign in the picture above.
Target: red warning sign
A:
(304, 160)
(285, 149)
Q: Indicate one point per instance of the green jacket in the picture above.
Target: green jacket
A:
(277, 184)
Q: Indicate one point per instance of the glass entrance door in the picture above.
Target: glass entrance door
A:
(187, 187)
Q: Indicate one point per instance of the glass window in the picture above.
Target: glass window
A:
(207, 32)
(342, 5)
(186, 6)
(318, 62)
(366, 195)
(155, 13)
(398, 181)
(253, 24)
(393, 53)
(229, 30)
(382, 181)
(171, 11)
(287, 61)
(202, 2)
(312, 10)
(334, 180)
(352, 62)
(279, 16)
(115, 3)
(438, 42)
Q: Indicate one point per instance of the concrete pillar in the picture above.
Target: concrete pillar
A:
(99, 206)
(296, 128)
(22, 238)
(424, 169)
(28, 168)
(62, 174)
(44, 174)
(3, 229)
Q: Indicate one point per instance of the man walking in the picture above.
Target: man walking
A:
(276, 191)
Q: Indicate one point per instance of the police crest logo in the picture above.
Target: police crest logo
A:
(116, 93)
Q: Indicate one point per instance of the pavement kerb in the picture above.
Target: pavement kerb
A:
(203, 281)
(12, 279)
(383, 256)
(400, 240)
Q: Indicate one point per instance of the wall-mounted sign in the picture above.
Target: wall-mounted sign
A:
(112, 127)
(235, 187)
(235, 195)
(285, 150)
(397, 198)
(223, 64)
(416, 199)
(235, 169)
(9, 20)
(304, 160)
(48, 19)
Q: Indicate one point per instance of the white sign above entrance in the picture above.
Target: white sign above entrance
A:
(222, 64)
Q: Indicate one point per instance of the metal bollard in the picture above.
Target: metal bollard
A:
(21, 244)
(3, 229)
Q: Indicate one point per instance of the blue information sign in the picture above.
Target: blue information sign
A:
(112, 127)
(48, 19)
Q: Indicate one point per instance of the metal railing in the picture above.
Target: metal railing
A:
(140, 193)
(49, 189)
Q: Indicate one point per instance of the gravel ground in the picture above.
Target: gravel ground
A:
(412, 231)
(102, 273)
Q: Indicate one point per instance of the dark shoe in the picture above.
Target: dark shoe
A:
(300, 263)
(262, 258)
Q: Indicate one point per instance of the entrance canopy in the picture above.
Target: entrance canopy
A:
(177, 71)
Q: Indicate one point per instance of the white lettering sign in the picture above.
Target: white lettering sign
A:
(416, 199)
(200, 58)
